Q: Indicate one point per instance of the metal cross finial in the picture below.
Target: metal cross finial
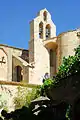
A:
(3, 60)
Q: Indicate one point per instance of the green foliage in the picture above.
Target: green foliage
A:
(77, 51)
(69, 66)
(3, 103)
(24, 96)
(68, 111)
(47, 84)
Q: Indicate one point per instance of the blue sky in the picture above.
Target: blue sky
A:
(15, 16)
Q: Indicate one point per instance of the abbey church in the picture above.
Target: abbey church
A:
(44, 55)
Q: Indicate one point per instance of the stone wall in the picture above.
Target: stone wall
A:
(41, 63)
(3, 64)
(8, 90)
(12, 58)
(67, 42)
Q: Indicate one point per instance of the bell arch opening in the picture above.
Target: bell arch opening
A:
(48, 31)
(41, 30)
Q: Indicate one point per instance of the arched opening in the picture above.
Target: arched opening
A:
(41, 30)
(52, 62)
(18, 72)
(48, 31)
(45, 15)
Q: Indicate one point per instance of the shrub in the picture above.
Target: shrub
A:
(69, 66)
(46, 85)
(24, 96)
(3, 103)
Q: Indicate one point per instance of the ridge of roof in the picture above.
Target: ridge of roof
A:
(13, 47)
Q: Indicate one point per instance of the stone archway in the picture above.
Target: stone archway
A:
(52, 48)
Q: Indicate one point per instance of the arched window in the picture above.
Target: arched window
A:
(41, 30)
(18, 71)
(48, 31)
(45, 15)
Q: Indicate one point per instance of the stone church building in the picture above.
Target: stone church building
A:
(44, 55)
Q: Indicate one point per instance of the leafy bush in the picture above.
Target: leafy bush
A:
(3, 103)
(24, 96)
(77, 51)
(47, 84)
(69, 66)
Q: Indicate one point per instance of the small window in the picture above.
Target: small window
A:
(41, 30)
(45, 15)
(48, 31)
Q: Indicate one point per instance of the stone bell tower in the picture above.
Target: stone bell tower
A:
(41, 29)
